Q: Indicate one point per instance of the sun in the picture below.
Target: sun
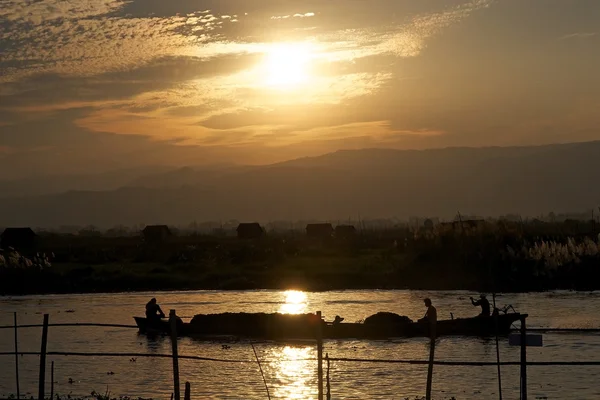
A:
(286, 65)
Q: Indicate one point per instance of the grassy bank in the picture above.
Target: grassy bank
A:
(315, 273)
(487, 259)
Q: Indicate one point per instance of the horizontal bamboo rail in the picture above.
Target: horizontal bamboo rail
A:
(339, 359)
(468, 363)
(70, 324)
(567, 330)
(81, 324)
(131, 355)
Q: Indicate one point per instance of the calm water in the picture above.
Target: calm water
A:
(288, 374)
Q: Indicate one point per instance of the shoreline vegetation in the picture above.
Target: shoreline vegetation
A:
(492, 256)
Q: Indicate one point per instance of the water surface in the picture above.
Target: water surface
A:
(289, 369)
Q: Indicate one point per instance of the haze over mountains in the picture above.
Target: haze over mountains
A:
(370, 183)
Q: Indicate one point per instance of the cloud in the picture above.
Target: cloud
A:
(36, 12)
(379, 132)
(410, 40)
(305, 15)
(87, 38)
(579, 35)
(189, 73)
(88, 47)
(51, 90)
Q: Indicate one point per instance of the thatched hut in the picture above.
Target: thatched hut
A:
(156, 233)
(21, 239)
(324, 230)
(250, 230)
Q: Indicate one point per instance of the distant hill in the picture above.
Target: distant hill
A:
(369, 182)
(54, 184)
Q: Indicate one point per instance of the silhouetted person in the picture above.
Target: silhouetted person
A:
(153, 311)
(338, 320)
(431, 314)
(484, 303)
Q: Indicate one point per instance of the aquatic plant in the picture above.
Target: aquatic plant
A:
(552, 255)
(106, 396)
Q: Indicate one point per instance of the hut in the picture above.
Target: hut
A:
(249, 230)
(21, 239)
(156, 233)
(324, 230)
(345, 231)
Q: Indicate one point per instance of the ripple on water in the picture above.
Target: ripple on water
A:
(290, 370)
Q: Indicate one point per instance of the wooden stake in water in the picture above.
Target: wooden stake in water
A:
(17, 356)
(173, 323)
(320, 354)
(42, 378)
(328, 385)
(432, 333)
(187, 394)
(52, 380)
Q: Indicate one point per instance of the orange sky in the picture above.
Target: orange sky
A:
(103, 84)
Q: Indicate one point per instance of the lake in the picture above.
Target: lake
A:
(289, 369)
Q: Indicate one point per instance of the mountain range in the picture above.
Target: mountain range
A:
(369, 183)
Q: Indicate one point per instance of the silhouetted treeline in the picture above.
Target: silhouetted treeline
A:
(483, 256)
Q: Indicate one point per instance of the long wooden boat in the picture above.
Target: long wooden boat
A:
(304, 326)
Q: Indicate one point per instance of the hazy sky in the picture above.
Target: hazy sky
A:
(104, 84)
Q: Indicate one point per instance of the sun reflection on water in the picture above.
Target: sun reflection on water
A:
(295, 302)
(294, 372)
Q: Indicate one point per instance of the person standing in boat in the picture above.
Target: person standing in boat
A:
(430, 317)
(153, 311)
(484, 303)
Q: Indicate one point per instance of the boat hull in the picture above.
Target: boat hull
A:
(306, 328)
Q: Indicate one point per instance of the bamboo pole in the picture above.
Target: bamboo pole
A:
(320, 354)
(173, 323)
(17, 356)
(523, 359)
(187, 395)
(497, 346)
(261, 371)
(42, 378)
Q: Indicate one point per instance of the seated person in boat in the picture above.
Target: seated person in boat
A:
(431, 314)
(484, 303)
(338, 320)
(153, 311)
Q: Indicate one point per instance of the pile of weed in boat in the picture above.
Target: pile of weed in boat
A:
(387, 318)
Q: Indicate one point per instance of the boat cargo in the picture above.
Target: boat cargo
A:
(279, 326)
